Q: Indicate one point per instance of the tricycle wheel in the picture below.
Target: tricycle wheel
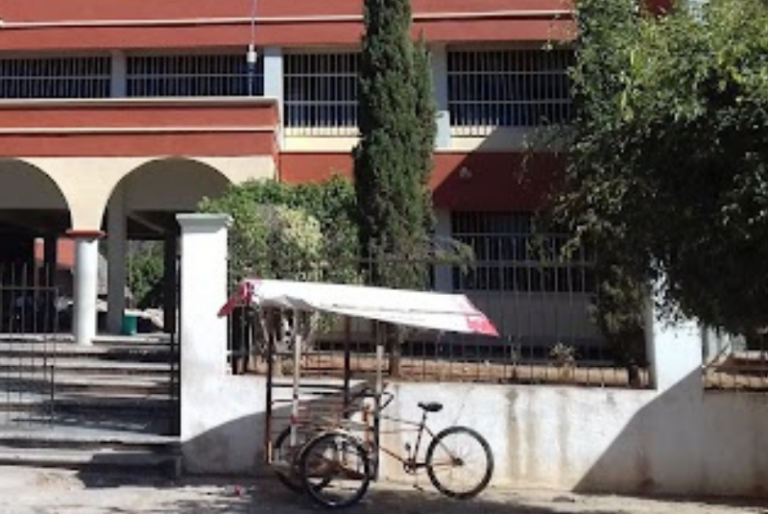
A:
(336, 470)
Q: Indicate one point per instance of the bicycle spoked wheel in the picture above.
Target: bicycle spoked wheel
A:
(336, 470)
(459, 463)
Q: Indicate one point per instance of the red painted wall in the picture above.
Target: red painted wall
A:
(443, 27)
(228, 129)
(31, 10)
(137, 114)
(492, 181)
(136, 145)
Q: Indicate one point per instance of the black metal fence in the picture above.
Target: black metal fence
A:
(31, 312)
(542, 309)
(735, 363)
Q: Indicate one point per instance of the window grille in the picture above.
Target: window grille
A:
(192, 75)
(321, 94)
(508, 88)
(509, 255)
(55, 77)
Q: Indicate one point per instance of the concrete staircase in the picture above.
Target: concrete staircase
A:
(111, 406)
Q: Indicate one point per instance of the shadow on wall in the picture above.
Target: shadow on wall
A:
(236, 447)
(233, 448)
(491, 180)
(688, 441)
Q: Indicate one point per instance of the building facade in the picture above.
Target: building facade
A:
(116, 115)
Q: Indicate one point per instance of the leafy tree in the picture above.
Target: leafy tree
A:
(291, 231)
(668, 171)
(145, 273)
(393, 160)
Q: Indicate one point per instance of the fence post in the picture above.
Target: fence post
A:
(203, 334)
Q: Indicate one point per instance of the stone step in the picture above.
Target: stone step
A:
(133, 461)
(78, 385)
(85, 448)
(87, 439)
(83, 366)
(138, 354)
(151, 423)
(126, 405)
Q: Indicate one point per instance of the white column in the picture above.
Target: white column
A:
(86, 286)
(443, 232)
(439, 59)
(119, 78)
(273, 81)
(203, 333)
(117, 250)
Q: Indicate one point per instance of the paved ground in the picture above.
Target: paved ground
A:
(40, 491)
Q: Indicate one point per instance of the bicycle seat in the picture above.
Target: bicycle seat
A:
(431, 407)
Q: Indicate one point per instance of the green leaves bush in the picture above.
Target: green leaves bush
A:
(301, 232)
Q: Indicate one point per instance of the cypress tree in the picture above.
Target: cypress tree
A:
(393, 160)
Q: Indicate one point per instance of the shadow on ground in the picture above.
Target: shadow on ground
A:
(377, 501)
(266, 495)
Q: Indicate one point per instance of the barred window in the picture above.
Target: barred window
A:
(192, 75)
(321, 94)
(55, 77)
(508, 88)
(511, 256)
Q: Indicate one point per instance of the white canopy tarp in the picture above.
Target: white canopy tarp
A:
(418, 309)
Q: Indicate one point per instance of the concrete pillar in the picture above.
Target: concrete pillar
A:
(203, 333)
(170, 281)
(443, 232)
(674, 352)
(439, 59)
(273, 81)
(119, 80)
(117, 251)
(86, 285)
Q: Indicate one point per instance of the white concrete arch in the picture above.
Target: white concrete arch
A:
(25, 186)
(172, 184)
(88, 183)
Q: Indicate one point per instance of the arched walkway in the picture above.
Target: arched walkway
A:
(143, 206)
(33, 214)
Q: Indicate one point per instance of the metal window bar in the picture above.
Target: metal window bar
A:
(508, 88)
(55, 77)
(321, 94)
(192, 75)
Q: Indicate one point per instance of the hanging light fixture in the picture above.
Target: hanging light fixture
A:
(252, 56)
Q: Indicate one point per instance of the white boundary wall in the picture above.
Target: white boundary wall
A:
(674, 439)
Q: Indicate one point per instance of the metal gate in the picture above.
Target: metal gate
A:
(30, 312)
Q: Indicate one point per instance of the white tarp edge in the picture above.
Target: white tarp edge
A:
(418, 309)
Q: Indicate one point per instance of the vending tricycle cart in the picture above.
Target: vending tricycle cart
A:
(333, 458)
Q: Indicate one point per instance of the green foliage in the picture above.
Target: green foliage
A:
(668, 171)
(289, 231)
(393, 161)
(145, 273)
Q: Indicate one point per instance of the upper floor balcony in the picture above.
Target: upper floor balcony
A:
(96, 24)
